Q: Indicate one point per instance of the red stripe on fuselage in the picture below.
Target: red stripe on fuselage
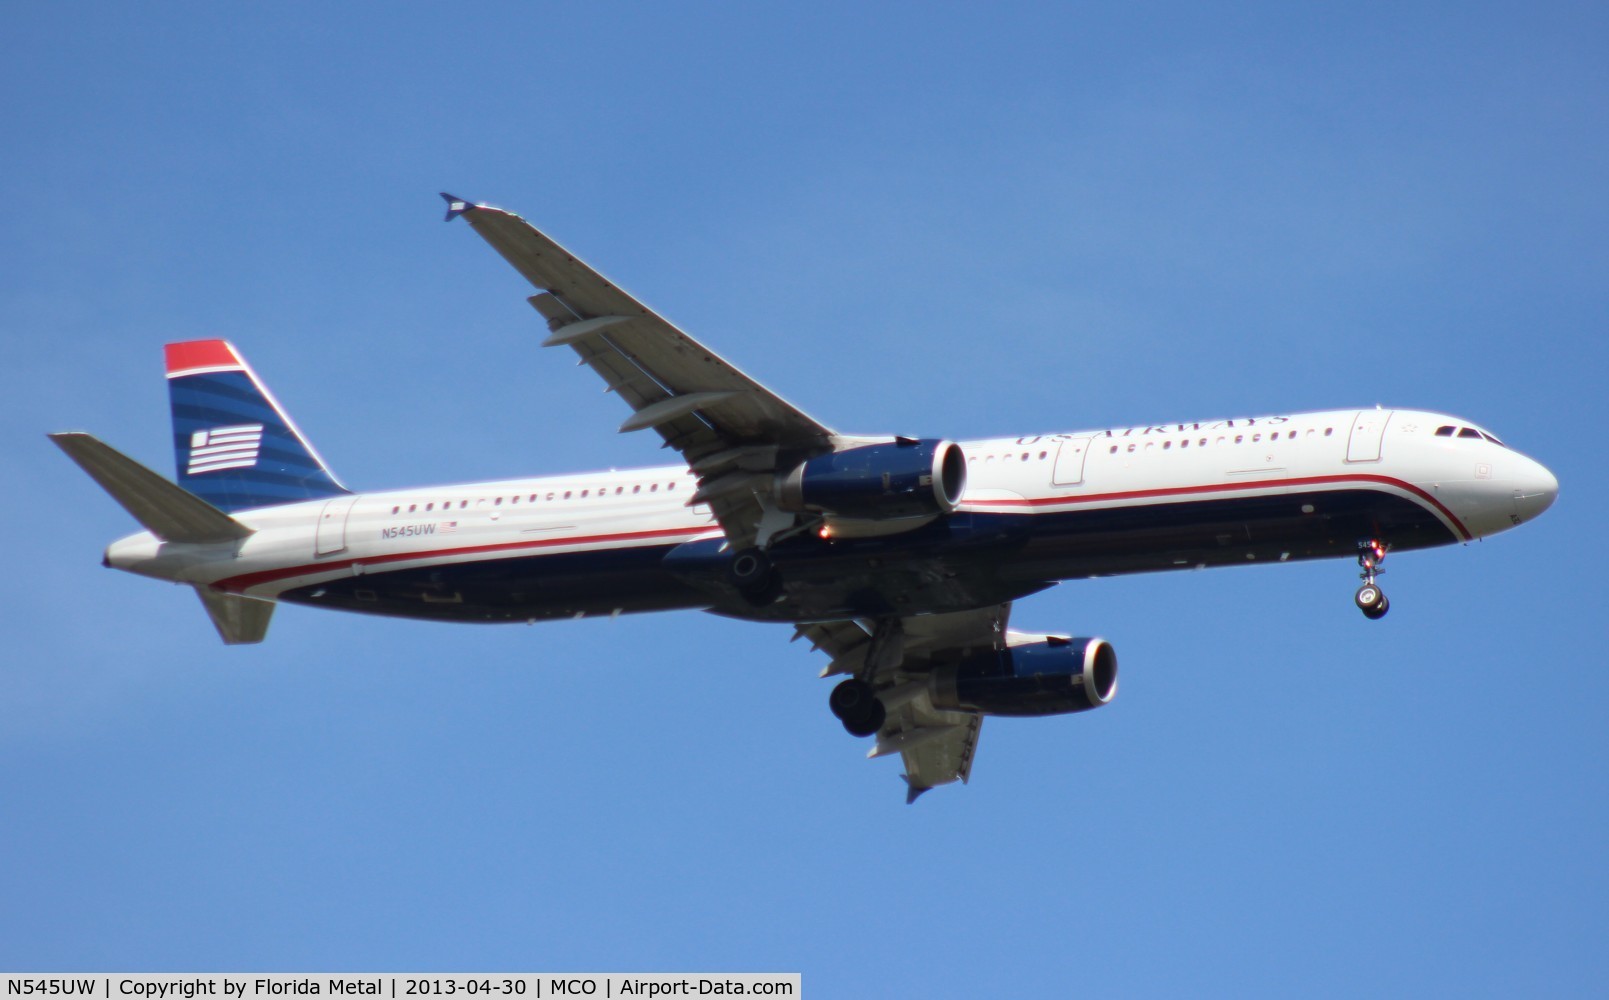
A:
(239, 584)
(1171, 491)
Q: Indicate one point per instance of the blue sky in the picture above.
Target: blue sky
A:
(950, 220)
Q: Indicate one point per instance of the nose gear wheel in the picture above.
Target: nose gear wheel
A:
(1370, 599)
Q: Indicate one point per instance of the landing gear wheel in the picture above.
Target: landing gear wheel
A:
(1372, 601)
(857, 707)
(870, 723)
(754, 576)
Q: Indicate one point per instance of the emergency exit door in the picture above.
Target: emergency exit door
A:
(1069, 469)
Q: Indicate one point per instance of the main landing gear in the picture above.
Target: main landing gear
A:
(857, 707)
(1371, 600)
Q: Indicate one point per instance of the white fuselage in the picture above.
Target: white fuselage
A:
(1470, 485)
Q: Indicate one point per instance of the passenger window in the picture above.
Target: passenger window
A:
(430, 506)
(1328, 431)
(566, 494)
(636, 489)
(673, 485)
(412, 507)
(1166, 445)
(1114, 449)
(396, 510)
(654, 488)
(1239, 438)
(498, 502)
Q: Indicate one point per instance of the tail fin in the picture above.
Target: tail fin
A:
(235, 447)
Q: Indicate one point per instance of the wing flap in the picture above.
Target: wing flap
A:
(698, 402)
(895, 656)
(942, 760)
(599, 311)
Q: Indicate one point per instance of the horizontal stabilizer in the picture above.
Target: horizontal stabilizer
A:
(239, 620)
(167, 511)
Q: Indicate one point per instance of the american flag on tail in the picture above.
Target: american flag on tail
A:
(224, 448)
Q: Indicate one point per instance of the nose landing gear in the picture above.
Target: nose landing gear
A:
(1371, 600)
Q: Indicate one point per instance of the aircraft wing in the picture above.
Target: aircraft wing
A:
(894, 656)
(734, 433)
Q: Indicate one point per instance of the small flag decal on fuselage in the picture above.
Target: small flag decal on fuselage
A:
(224, 448)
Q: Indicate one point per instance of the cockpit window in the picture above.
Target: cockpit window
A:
(1445, 432)
(1469, 432)
(1493, 440)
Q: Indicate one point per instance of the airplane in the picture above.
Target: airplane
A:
(899, 557)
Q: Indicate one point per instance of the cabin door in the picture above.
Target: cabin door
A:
(1368, 428)
(332, 526)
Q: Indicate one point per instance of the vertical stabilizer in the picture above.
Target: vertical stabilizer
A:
(235, 446)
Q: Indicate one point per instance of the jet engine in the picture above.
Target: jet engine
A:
(904, 478)
(1049, 676)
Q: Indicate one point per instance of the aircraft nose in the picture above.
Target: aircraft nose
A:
(1535, 489)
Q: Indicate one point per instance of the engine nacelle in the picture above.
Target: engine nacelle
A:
(1052, 676)
(905, 478)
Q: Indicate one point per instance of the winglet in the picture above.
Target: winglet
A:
(456, 206)
(913, 791)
